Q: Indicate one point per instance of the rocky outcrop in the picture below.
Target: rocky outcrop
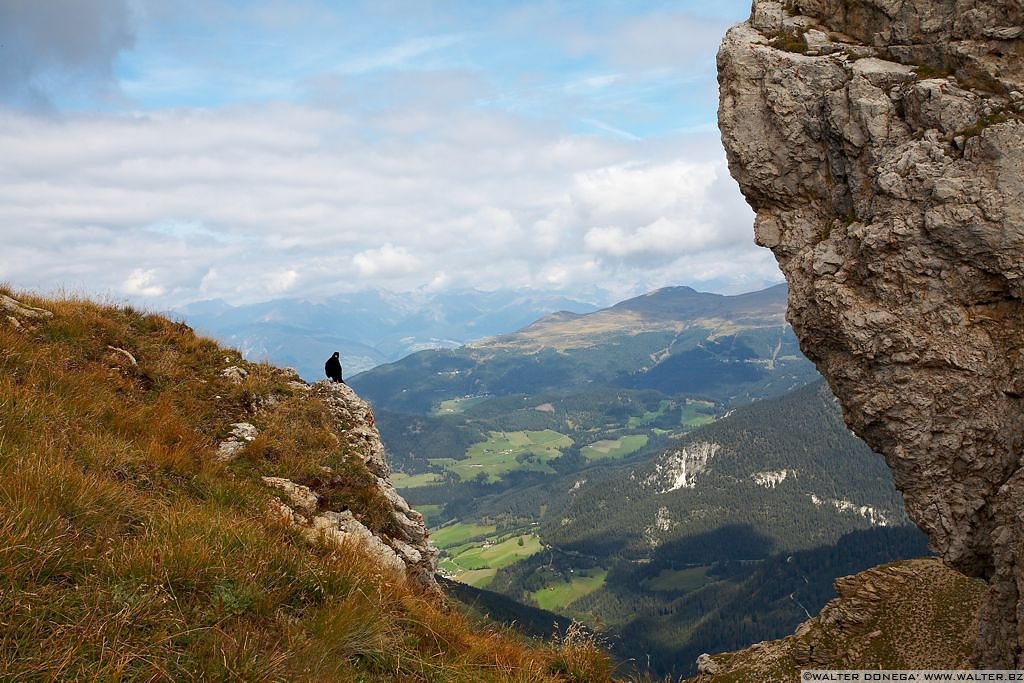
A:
(678, 469)
(16, 309)
(909, 615)
(881, 143)
(404, 547)
(241, 434)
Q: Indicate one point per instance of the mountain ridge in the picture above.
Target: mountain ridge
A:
(669, 309)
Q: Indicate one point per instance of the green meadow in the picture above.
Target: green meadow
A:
(457, 534)
(697, 413)
(401, 480)
(637, 421)
(454, 406)
(476, 563)
(506, 452)
(556, 596)
(610, 449)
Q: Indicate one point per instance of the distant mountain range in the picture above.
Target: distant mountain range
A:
(367, 328)
(677, 341)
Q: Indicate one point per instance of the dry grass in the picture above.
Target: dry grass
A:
(128, 552)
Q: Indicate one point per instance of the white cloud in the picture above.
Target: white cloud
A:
(385, 262)
(142, 283)
(281, 281)
(245, 203)
(658, 212)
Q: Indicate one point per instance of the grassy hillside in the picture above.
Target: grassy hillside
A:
(128, 551)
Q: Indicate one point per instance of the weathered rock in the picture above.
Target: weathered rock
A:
(890, 190)
(301, 497)
(23, 310)
(706, 665)
(241, 433)
(234, 374)
(354, 417)
(341, 528)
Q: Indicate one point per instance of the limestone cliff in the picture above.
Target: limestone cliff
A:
(881, 144)
(402, 543)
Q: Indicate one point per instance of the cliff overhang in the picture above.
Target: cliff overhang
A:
(881, 144)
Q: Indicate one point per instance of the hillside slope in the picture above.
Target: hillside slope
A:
(786, 468)
(670, 309)
(169, 511)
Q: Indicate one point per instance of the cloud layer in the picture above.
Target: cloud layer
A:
(398, 165)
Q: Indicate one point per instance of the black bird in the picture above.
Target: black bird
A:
(333, 368)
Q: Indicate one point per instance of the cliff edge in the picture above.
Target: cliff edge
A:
(881, 143)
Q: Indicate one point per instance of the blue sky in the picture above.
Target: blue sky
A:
(174, 151)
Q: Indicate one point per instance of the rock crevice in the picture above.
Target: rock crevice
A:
(881, 143)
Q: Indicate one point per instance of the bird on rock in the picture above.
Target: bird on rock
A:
(333, 368)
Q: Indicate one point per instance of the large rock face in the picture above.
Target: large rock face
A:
(881, 143)
(402, 546)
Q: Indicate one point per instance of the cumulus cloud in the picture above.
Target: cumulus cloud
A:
(655, 213)
(385, 262)
(142, 283)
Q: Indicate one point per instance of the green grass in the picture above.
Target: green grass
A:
(609, 449)
(401, 480)
(500, 554)
(637, 421)
(478, 578)
(506, 452)
(476, 563)
(458, 533)
(697, 413)
(454, 406)
(678, 581)
(557, 596)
